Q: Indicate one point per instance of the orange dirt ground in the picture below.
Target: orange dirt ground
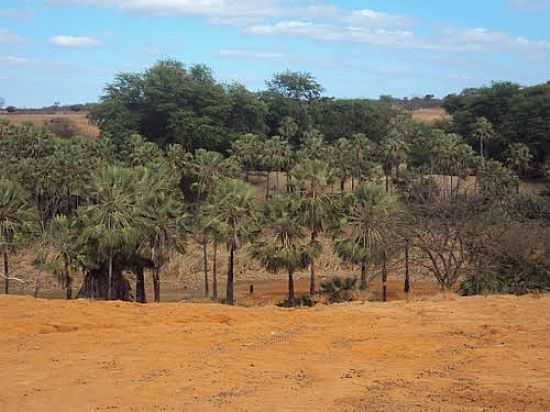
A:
(439, 354)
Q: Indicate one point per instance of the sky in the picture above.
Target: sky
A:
(67, 50)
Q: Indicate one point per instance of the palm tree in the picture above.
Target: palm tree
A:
(112, 220)
(63, 239)
(276, 153)
(314, 178)
(394, 153)
(518, 157)
(248, 150)
(362, 238)
(16, 218)
(285, 248)
(163, 219)
(483, 132)
(233, 204)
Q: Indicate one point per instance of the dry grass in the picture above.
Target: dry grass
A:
(79, 119)
(430, 115)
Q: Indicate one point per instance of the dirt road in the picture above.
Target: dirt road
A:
(455, 354)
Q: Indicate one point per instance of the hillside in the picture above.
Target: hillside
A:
(441, 354)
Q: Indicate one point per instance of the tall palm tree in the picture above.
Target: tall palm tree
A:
(163, 218)
(394, 153)
(518, 157)
(483, 132)
(112, 219)
(313, 180)
(362, 237)
(63, 239)
(16, 219)
(285, 247)
(233, 204)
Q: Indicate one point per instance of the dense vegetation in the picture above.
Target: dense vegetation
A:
(173, 164)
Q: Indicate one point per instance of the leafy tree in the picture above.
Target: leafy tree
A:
(483, 132)
(285, 248)
(233, 204)
(367, 214)
(296, 86)
(313, 180)
(64, 240)
(16, 216)
(112, 220)
(518, 158)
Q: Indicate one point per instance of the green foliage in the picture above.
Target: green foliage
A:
(338, 290)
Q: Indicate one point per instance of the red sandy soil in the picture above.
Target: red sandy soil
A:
(439, 354)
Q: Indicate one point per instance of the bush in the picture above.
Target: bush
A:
(338, 290)
(11, 109)
(62, 127)
(301, 302)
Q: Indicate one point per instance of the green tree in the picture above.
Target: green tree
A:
(365, 226)
(518, 158)
(286, 247)
(233, 204)
(484, 133)
(313, 181)
(16, 217)
(112, 219)
(64, 240)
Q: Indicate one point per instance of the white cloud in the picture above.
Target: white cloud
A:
(7, 37)
(74, 41)
(249, 54)
(14, 14)
(13, 61)
(320, 21)
(530, 4)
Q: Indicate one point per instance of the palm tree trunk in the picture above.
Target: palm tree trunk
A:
(156, 283)
(267, 186)
(110, 285)
(384, 279)
(342, 185)
(277, 180)
(364, 282)
(68, 282)
(407, 275)
(6, 273)
(215, 271)
(387, 183)
(229, 294)
(352, 184)
(291, 297)
(140, 286)
(205, 264)
(312, 276)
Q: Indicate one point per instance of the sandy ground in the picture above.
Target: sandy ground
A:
(440, 354)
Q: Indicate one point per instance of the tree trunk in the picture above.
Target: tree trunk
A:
(387, 183)
(352, 184)
(6, 273)
(287, 181)
(110, 280)
(215, 271)
(205, 265)
(364, 282)
(291, 298)
(342, 185)
(140, 286)
(312, 276)
(68, 282)
(229, 294)
(267, 185)
(277, 181)
(407, 288)
(384, 279)
(156, 284)
(451, 187)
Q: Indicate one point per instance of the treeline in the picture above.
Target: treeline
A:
(518, 119)
(172, 170)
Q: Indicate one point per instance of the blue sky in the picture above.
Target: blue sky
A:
(67, 50)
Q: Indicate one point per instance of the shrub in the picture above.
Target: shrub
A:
(338, 290)
(62, 127)
(11, 109)
(303, 301)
